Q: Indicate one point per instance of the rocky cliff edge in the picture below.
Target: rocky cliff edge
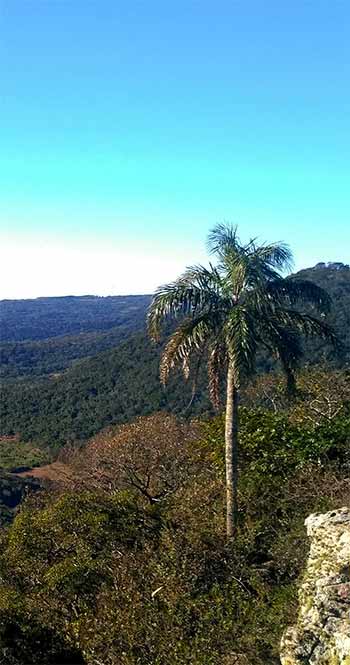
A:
(321, 635)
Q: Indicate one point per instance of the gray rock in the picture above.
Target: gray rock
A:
(321, 635)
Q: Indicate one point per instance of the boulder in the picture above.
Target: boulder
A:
(321, 635)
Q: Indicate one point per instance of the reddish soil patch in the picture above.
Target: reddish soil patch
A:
(56, 472)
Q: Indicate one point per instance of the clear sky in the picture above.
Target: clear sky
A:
(130, 128)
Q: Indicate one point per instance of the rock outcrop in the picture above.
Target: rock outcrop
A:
(321, 635)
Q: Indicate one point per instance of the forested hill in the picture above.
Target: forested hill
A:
(113, 387)
(335, 279)
(43, 318)
(123, 382)
(47, 335)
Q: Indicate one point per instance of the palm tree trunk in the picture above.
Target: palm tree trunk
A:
(231, 453)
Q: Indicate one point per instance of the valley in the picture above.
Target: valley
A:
(112, 493)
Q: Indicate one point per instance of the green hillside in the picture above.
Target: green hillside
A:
(121, 383)
(113, 387)
(46, 335)
(335, 279)
(43, 318)
(49, 316)
(42, 357)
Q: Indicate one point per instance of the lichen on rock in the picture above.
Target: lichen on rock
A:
(321, 635)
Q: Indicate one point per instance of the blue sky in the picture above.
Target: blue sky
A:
(129, 129)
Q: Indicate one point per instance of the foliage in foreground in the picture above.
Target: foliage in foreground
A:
(110, 575)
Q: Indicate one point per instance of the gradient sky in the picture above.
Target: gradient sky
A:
(129, 129)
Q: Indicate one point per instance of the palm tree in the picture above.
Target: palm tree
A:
(227, 312)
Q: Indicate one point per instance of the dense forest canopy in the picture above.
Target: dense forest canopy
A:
(113, 387)
(35, 358)
(47, 335)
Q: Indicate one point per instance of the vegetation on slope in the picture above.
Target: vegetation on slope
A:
(113, 387)
(119, 384)
(123, 559)
(127, 562)
(335, 279)
(16, 456)
(115, 575)
(69, 315)
(33, 359)
(49, 323)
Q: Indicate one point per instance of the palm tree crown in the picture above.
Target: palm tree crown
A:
(232, 308)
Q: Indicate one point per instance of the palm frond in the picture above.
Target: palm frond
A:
(194, 382)
(307, 325)
(245, 273)
(237, 275)
(197, 289)
(283, 342)
(241, 341)
(191, 336)
(221, 239)
(275, 255)
(205, 279)
(296, 291)
(216, 361)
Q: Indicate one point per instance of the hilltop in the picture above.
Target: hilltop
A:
(334, 277)
(43, 318)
